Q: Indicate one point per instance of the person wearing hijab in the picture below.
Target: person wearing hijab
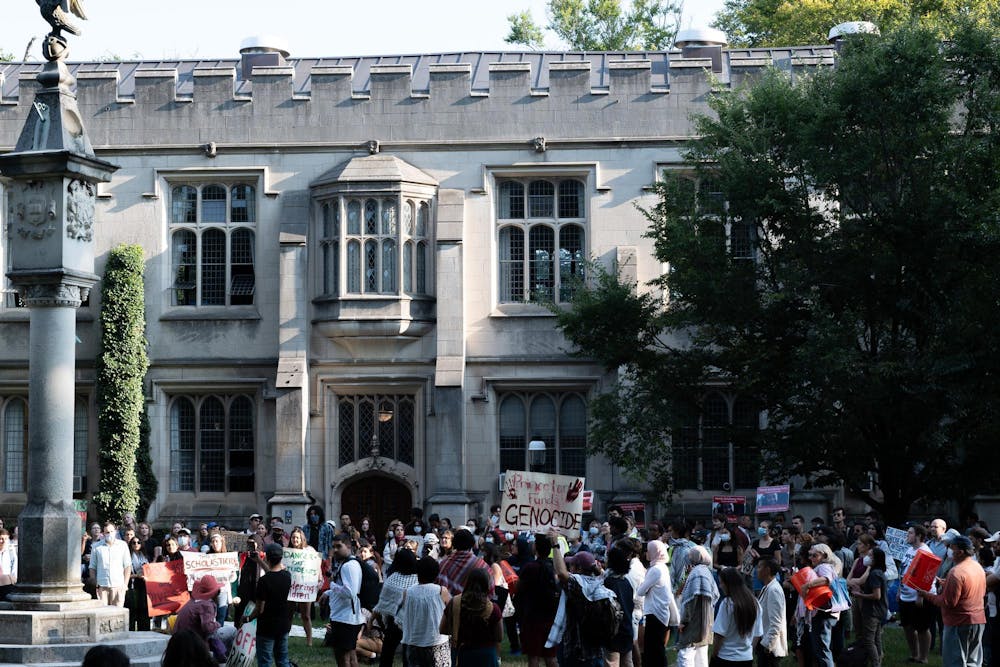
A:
(699, 594)
(658, 605)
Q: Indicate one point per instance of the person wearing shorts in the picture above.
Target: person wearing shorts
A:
(346, 618)
(915, 614)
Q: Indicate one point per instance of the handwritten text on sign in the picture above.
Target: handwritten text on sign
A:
(244, 650)
(304, 566)
(535, 502)
(222, 566)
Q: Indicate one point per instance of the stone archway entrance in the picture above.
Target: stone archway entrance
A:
(382, 499)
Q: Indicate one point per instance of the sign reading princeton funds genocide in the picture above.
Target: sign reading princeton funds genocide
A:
(535, 502)
(304, 566)
(222, 566)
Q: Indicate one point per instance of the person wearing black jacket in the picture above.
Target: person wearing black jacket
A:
(616, 580)
(249, 574)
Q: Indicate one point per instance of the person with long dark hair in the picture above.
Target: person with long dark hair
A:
(473, 622)
(737, 623)
(871, 591)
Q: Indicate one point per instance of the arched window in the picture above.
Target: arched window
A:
(373, 255)
(557, 419)
(573, 436)
(354, 267)
(511, 200)
(241, 445)
(541, 199)
(715, 443)
(541, 249)
(212, 444)
(371, 267)
(15, 445)
(185, 267)
(383, 422)
(571, 260)
(421, 267)
(408, 267)
(513, 432)
(213, 267)
(388, 266)
(511, 264)
(182, 445)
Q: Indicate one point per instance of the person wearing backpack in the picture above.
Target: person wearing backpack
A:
(659, 606)
(589, 616)
(346, 618)
(618, 653)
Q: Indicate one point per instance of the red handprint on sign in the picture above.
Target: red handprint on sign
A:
(574, 490)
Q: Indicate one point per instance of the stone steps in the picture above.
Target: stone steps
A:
(144, 649)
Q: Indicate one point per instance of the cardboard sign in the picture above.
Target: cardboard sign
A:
(305, 567)
(895, 539)
(244, 650)
(234, 541)
(166, 587)
(535, 502)
(223, 567)
(729, 506)
(772, 499)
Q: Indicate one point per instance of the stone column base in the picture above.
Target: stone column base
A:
(144, 649)
(76, 623)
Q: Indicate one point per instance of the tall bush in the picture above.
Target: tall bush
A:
(121, 367)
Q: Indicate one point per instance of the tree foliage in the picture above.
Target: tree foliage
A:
(601, 25)
(833, 256)
(6, 56)
(789, 22)
(146, 478)
(121, 367)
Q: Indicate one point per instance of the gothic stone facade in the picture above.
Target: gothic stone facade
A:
(345, 261)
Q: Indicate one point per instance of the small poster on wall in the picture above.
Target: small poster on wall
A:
(730, 506)
(772, 499)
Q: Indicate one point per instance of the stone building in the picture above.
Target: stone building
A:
(345, 260)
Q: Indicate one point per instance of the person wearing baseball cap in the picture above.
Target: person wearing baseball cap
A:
(198, 615)
(252, 523)
(961, 603)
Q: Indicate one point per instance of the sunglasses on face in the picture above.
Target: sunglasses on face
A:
(134, 542)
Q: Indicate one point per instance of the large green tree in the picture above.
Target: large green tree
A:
(121, 368)
(792, 22)
(832, 254)
(601, 25)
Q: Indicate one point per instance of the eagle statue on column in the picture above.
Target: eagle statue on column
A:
(57, 14)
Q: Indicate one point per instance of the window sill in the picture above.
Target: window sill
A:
(521, 310)
(209, 313)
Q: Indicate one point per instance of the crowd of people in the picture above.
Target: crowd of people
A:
(722, 593)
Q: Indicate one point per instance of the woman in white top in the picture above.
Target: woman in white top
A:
(297, 540)
(737, 624)
(420, 616)
(827, 568)
(658, 605)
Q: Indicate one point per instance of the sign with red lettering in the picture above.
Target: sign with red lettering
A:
(729, 506)
(244, 650)
(588, 501)
(535, 502)
(304, 566)
(166, 587)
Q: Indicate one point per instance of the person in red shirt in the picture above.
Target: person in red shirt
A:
(961, 603)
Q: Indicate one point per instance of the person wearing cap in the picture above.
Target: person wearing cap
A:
(271, 610)
(184, 540)
(961, 604)
(199, 615)
(984, 552)
(277, 534)
(252, 523)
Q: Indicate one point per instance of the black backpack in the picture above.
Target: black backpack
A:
(600, 620)
(371, 586)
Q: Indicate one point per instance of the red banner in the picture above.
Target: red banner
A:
(166, 587)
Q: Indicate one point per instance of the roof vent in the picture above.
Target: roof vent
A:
(839, 32)
(262, 51)
(702, 43)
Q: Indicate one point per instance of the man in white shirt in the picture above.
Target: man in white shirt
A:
(8, 564)
(345, 607)
(773, 645)
(111, 564)
(915, 614)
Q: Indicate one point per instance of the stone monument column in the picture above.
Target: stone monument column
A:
(52, 193)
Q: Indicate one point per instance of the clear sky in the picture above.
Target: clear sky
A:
(174, 29)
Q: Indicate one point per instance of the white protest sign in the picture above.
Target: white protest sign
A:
(896, 541)
(244, 650)
(223, 567)
(304, 566)
(535, 502)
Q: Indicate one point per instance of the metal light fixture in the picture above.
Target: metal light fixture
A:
(536, 453)
(384, 415)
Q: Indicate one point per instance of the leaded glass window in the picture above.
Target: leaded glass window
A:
(557, 419)
(383, 422)
(212, 444)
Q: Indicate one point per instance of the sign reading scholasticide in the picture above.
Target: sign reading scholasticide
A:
(535, 502)
(223, 566)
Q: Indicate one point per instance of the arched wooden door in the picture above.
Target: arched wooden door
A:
(380, 498)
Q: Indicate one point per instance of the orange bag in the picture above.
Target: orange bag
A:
(923, 568)
(817, 597)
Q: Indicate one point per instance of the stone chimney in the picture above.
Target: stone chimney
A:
(262, 51)
(702, 43)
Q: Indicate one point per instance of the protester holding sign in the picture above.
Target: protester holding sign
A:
(303, 563)
(961, 603)
(914, 614)
(534, 502)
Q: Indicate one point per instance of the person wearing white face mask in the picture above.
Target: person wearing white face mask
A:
(765, 546)
(594, 542)
(111, 564)
(184, 540)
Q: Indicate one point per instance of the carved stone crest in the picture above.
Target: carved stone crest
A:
(34, 211)
(80, 211)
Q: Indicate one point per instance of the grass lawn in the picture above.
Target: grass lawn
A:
(896, 652)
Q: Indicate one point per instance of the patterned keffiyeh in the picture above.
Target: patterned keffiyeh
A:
(700, 582)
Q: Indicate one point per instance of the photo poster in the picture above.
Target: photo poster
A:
(166, 587)
(534, 502)
(637, 511)
(895, 539)
(730, 506)
(224, 567)
(305, 566)
(772, 499)
(244, 650)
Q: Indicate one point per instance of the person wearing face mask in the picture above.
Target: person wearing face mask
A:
(111, 565)
(319, 533)
(765, 546)
(184, 540)
(594, 542)
(726, 552)
(277, 534)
